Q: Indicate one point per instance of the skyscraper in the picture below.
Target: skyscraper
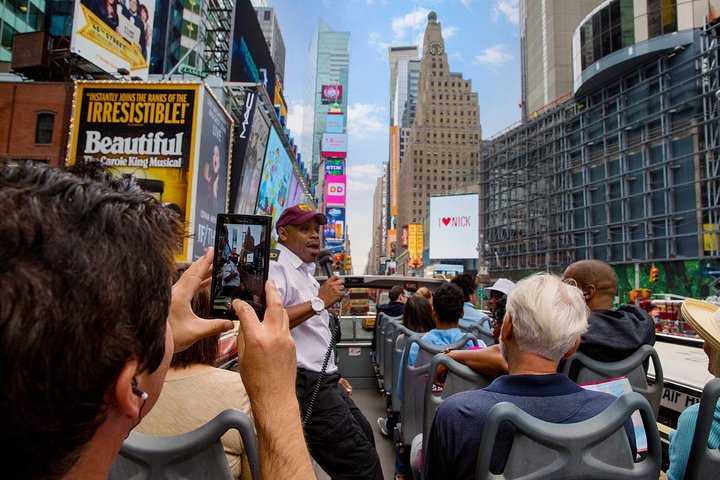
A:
(444, 143)
(328, 64)
(273, 37)
(546, 30)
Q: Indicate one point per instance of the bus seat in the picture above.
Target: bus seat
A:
(480, 332)
(632, 367)
(398, 345)
(413, 384)
(196, 454)
(703, 462)
(595, 448)
(391, 323)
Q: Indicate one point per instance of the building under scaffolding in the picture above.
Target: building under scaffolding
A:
(626, 172)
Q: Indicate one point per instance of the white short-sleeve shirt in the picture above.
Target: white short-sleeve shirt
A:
(295, 281)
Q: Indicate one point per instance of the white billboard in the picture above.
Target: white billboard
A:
(113, 34)
(334, 145)
(454, 227)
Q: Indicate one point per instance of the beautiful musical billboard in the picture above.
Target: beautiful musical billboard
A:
(146, 130)
(114, 35)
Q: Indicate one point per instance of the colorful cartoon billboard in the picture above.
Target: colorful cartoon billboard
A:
(276, 176)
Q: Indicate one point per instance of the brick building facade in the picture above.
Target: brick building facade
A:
(35, 121)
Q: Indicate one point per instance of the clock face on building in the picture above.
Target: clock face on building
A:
(436, 48)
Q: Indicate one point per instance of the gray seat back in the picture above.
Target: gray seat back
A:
(480, 332)
(398, 345)
(196, 454)
(379, 334)
(703, 462)
(391, 325)
(414, 379)
(460, 378)
(632, 367)
(595, 448)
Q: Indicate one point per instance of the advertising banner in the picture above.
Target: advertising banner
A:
(404, 236)
(415, 245)
(335, 123)
(394, 168)
(330, 94)
(114, 35)
(335, 190)
(276, 176)
(249, 59)
(251, 139)
(146, 130)
(454, 227)
(211, 178)
(334, 231)
(296, 195)
(334, 166)
(334, 145)
(392, 240)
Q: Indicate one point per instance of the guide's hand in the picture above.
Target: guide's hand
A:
(332, 290)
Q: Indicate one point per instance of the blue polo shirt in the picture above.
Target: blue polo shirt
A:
(454, 439)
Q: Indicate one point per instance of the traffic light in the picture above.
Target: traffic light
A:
(348, 262)
(654, 272)
(338, 261)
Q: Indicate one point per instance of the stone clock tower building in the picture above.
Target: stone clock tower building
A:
(444, 147)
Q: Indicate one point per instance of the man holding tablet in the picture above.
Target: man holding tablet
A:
(339, 437)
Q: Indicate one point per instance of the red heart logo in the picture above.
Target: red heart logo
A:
(446, 220)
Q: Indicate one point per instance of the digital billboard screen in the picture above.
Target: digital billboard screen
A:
(276, 176)
(146, 130)
(335, 190)
(211, 180)
(249, 59)
(335, 123)
(334, 166)
(454, 227)
(330, 94)
(334, 231)
(114, 35)
(251, 137)
(334, 145)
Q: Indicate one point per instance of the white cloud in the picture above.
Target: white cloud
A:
(376, 42)
(409, 24)
(493, 57)
(295, 121)
(449, 31)
(362, 178)
(365, 120)
(509, 9)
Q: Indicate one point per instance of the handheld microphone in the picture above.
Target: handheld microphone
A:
(325, 261)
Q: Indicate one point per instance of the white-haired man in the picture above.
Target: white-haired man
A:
(543, 324)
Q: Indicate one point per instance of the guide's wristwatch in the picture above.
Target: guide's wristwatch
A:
(317, 305)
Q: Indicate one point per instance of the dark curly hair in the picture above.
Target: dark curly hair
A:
(85, 286)
(448, 301)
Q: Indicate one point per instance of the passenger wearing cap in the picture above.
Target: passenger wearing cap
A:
(338, 436)
(500, 288)
(704, 317)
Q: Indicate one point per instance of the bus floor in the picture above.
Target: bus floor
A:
(372, 404)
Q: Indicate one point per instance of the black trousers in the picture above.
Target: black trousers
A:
(337, 434)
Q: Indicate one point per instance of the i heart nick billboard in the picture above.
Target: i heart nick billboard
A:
(454, 227)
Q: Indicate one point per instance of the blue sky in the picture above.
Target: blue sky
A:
(481, 39)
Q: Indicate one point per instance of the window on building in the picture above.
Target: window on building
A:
(266, 15)
(44, 128)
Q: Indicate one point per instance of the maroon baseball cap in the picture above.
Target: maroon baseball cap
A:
(299, 214)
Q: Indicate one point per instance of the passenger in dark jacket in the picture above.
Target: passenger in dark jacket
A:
(394, 308)
(613, 333)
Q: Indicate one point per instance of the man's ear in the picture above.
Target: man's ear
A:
(589, 292)
(282, 233)
(121, 394)
(506, 331)
(572, 350)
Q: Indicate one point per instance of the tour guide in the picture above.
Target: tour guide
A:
(338, 436)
